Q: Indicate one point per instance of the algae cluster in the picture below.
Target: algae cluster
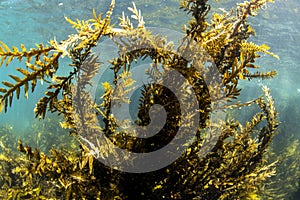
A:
(235, 167)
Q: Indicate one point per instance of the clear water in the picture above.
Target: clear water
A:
(37, 21)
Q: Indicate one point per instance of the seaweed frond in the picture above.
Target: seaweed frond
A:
(234, 165)
(40, 69)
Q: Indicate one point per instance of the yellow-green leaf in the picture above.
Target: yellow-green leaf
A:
(39, 63)
(26, 89)
(84, 162)
(5, 46)
(33, 84)
(32, 67)
(71, 22)
(249, 65)
(8, 84)
(23, 48)
(9, 60)
(17, 79)
(91, 160)
(15, 49)
(242, 57)
(265, 47)
(157, 187)
(11, 95)
(23, 71)
(49, 93)
(2, 60)
(18, 92)
(3, 90)
(1, 105)
(94, 14)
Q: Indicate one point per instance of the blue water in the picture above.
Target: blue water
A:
(37, 21)
(30, 22)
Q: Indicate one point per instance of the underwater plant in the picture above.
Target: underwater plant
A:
(233, 166)
(286, 183)
(285, 148)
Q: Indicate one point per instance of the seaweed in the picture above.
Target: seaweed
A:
(234, 168)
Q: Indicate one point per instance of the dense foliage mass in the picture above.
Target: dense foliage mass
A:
(234, 168)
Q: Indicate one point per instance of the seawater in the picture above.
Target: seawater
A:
(37, 21)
